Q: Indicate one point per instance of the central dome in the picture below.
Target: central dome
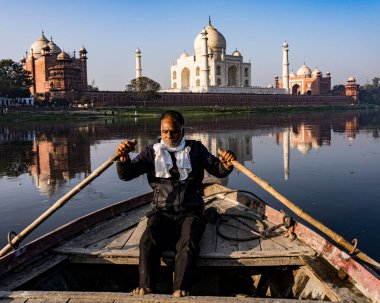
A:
(304, 71)
(216, 41)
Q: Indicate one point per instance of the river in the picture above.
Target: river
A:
(325, 162)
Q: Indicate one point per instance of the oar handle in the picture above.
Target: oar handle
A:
(59, 203)
(298, 211)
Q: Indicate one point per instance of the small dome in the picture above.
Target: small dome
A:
(46, 47)
(138, 51)
(37, 46)
(63, 56)
(216, 40)
(285, 45)
(292, 74)
(316, 72)
(351, 79)
(54, 48)
(184, 55)
(236, 53)
(304, 71)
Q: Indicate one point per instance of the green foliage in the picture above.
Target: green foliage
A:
(92, 86)
(339, 87)
(60, 102)
(370, 93)
(144, 89)
(14, 80)
(84, 100)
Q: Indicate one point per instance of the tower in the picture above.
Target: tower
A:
(83, 70)
(352, 89)
(204, 63)
(138, 63)
(285, 67)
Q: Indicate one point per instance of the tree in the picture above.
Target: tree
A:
(339, 87)
(144, 89)
(14, 80)
(370, 93)
(92, 86)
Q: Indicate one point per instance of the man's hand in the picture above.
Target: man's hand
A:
(226, 159)
(124, 148)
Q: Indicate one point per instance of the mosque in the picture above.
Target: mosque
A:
(54, 71)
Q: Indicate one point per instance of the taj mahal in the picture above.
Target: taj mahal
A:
(210, 69)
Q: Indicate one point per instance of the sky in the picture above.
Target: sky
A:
(338, 36)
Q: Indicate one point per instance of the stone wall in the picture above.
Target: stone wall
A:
(118, 98)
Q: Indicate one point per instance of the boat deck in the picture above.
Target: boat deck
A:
(275, 265)
(117, 240)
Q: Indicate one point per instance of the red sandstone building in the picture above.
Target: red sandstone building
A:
(306, 82)
(55, 73)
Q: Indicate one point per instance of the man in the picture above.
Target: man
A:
(175, 170)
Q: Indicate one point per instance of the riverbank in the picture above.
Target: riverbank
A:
(23, 114)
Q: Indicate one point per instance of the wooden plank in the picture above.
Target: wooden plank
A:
(119, 241)
(13, 300)
(133, 242)
(127, 297)
(33, 270)
(45, 242)
(251, 244)
(291, 244)
(226, 247)
(123, 231)
(108, 228)
(326, 277)
(208, 241)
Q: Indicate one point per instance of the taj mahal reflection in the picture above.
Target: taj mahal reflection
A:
(54, 156)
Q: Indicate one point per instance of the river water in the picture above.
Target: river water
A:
(327, 163)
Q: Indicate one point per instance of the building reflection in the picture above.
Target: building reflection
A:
(54, 155)
(58, 159)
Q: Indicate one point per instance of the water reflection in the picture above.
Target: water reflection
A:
(325, 162)
(54, 154)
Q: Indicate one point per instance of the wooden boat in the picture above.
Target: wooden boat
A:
(94, 259)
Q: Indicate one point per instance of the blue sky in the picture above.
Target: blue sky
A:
(337, 36)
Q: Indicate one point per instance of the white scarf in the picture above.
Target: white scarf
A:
(163, 161)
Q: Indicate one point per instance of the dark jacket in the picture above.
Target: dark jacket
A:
(171, 194)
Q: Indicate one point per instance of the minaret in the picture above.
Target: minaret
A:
(83, 70)
(138, 63)
(286, 146)
(34, 86)
(285, 67)
(204, 61)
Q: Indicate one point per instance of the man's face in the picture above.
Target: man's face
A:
(171, 132)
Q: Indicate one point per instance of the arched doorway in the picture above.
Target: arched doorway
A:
(308, 92)
(185, 78)
(296, 89)
(232, 76)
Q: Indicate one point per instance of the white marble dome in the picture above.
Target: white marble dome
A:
(216, 40)
(38, 45)
(304, 71)
(351, 79)
(236, 53)
(184, 55)
(292, 74)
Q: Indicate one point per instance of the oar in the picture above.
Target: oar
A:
(62, 201)
(298, 211)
